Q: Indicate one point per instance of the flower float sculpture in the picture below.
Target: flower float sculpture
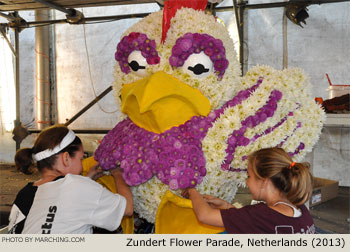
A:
(189, 119)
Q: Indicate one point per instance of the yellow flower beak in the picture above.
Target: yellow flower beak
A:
(160, 101)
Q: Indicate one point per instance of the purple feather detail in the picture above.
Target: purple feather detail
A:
(297, 150)
(284, 140)
(239, 98)
(237, 138)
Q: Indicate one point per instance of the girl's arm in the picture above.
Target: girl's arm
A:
(95, 172)
(124, 190)
(205, 213)
(216, 202)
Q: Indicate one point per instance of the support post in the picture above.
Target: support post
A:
(18, 97)
(42, 73)
(285, 40)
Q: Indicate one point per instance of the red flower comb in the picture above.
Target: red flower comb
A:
(170, 8)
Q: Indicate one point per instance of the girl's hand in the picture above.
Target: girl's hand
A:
(205, 212)
(95, 172)
(186, 192)
(216, 202)
(116, 172)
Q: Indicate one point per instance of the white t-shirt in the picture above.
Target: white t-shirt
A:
(73, 204)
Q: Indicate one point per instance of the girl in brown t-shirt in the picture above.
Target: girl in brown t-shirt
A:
(283, 185)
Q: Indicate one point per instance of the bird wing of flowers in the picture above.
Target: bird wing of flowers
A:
(277, 110)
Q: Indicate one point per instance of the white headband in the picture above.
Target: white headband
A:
(67, 140)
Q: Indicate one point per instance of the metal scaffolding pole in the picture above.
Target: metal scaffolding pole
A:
(18, 97)
(43, 85)
(7, 16)
(86, 19)
(82, 111)
(7, 41)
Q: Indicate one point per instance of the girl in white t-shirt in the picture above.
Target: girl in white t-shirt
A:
(62, 201)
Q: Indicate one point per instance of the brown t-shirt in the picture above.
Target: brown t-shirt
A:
(260, 219)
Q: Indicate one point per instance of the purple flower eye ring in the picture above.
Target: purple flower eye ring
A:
(196, 43)
(136, 41)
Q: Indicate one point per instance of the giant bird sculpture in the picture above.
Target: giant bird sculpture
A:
(189, 119)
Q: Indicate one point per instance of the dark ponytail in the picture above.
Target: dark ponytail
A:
(292, 179)
(24, 160)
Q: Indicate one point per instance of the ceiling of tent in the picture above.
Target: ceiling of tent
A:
(17, 5)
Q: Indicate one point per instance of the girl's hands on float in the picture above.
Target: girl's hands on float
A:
(207, 213)
(185, 193)
(211, 200)
(95, 172)
(216, 202)
(116, 172)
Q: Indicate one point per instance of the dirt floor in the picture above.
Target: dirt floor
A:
(332, 216)
(11, 181)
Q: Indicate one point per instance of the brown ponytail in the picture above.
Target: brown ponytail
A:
(292, 179)
(47, 139)
(301, 183)
(24, 161)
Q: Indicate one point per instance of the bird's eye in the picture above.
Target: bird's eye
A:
(137, 63)
(135, 66)
(198, 65)
(198, 69)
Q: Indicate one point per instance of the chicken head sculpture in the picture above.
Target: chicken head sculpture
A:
(189, 119)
